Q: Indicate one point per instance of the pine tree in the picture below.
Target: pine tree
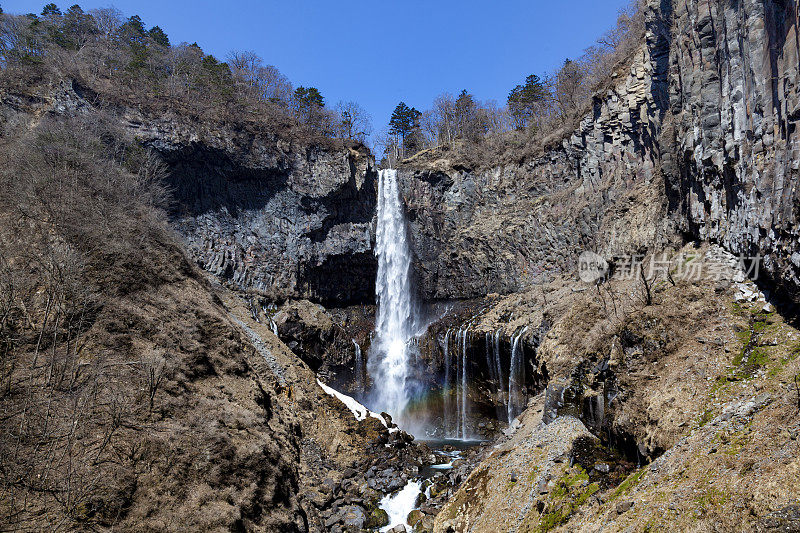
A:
(465, 111)
(309, 97)
(404, 120)
(136, 25)
(523, 99)
(158, 36)
(307, 102)
(50, 10)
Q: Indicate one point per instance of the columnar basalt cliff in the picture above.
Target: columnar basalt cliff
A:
(287, 219)
(501, 228)
(694, 139)
(735, 100)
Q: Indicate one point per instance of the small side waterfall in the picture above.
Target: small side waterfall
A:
(388, 363)
(504, 366)
(516, 376)
(359, 371)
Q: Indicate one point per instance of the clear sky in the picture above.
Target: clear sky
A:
(379, 52)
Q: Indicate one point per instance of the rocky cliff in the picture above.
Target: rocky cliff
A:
(286, 219)
(694, 139)
(735, 102)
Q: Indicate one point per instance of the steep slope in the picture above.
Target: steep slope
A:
(130, 400)
(137, 394)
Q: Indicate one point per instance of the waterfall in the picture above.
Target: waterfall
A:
(446, 384)
(516, 375)
(464, 336)
(359, 377)
(388, 363)
(498, 369)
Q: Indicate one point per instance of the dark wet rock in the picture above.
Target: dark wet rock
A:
(376, 518)
(287, 220)
(353, 517)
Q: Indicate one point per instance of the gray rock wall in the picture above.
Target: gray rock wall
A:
(503, 229)
(288, 221)
(696, 140)
(734, 94)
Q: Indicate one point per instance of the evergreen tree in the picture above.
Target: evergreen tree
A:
(404, 120)
(135, 25)
(158, 36)
(308, 103)
(465, 114)
(308, 97)
(51, 10)
(523, 99)
(78, 28)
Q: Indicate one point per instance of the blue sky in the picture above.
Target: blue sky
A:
(380, 52)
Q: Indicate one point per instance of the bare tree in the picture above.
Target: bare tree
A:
(262, 82)
(354, 122)
(444, 110)
(107, 19)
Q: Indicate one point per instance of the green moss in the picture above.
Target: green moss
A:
(712, 498)
(706, 417)
(630, 482)
(572, 490)
(552, 519)
(585, 495)
(377, 518)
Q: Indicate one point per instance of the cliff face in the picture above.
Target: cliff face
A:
(696, 139)
(503, 228)
(734, 94)
(288, 220)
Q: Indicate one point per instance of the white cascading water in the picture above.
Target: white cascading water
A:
(446, 386)
(388, 363)
(400, 504)
(359, 367)
(515, 375)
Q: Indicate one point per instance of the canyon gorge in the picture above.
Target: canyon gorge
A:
(345, 347)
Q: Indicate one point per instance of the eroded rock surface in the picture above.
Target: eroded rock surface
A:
(285, 219)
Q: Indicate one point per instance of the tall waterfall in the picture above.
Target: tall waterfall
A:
(388, 363)
(446, 385)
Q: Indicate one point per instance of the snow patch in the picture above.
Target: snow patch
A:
(359, 411)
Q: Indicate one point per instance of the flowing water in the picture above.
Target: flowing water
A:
(359, 368)
(399, 504)
(516, 376)
(388, 363)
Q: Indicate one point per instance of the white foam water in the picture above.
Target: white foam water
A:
(399, 504)
(388, 363)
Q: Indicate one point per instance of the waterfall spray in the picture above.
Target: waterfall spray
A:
(388, 363)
